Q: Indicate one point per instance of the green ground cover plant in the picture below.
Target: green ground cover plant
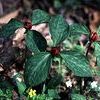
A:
(43, 54)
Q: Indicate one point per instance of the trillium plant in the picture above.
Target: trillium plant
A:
(43, 52)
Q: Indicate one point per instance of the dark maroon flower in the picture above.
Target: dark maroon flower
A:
(28, 25)
(93, 37)
(55, 51)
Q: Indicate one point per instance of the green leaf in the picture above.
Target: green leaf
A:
(77, 62)
(54, 81)
(37, 68)
(54, 94)
(9, 94)
(78, 29)
(1, 92)
(98, 30)
(6, 94)
(39, 16)
(97, 53)
(78, 97)
(19, 83)
(58, 29)
(96, 71)
(21, 87)
(57, 4)
(79, 48)
(9, 29)
(35, 41)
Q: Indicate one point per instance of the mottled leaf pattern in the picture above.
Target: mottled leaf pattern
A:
(35, 41)
(58, 29)
(39, 16)
(9, 29)
(97, 53)
(78, 97)
(79, 29)
(37, 68)
(98, 30)
(77, 63)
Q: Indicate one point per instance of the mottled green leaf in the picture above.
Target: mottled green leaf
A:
(9, 29)
(58, 29)
(21, 87)
(96, 71)
(78, 97)
(39, 16)
(19, 83)
(97, 53)
(78, 29)
(54, 94)
(57, 4)
(54, 81)
(98, 30)
(1, 92)
(79, 48)
(77, 62)
(37, 68)
(35, 41)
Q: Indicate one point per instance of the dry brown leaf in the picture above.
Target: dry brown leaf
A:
(19, 37)
(5, 19)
